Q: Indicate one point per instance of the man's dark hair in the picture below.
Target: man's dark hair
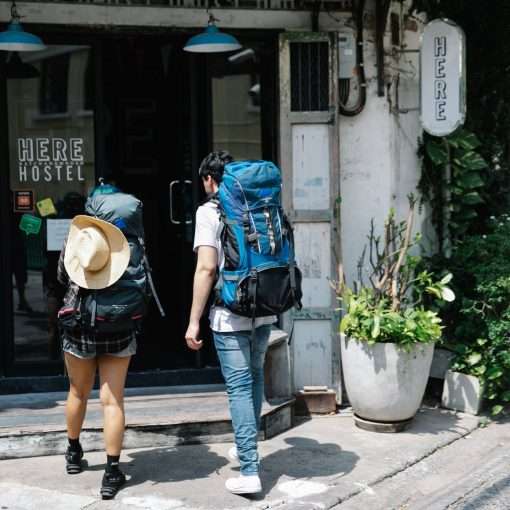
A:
(214, 164)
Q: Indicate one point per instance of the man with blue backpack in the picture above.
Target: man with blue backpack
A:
(244, 247)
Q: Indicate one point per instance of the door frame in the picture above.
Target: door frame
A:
(6, 315)
(308, 218)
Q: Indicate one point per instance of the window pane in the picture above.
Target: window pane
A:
(54, 84)
(52, 168)
(236, 115)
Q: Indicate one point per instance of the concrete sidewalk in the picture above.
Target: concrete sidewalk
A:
(469, 474)
(316, 465)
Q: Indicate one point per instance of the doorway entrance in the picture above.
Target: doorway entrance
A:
(146, 113)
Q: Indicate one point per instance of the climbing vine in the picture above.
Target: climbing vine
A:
(488, 103)
(466, 181)
(452, 178)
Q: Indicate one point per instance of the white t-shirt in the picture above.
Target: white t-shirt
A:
(207, 233)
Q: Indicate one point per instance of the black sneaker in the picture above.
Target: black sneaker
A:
(111, 484)
(73, 461)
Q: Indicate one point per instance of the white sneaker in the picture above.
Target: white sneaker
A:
(244, 484)
(232, 454)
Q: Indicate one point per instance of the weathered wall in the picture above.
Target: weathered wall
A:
(379, 165)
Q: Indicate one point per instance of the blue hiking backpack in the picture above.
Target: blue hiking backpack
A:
(260, 276)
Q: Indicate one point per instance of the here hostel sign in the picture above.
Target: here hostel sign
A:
(442, 77)
(50, 160)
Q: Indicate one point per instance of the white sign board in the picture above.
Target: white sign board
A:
(56, 234)
(442, 77)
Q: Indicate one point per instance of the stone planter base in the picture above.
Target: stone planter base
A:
(377, 426)
(462, 393)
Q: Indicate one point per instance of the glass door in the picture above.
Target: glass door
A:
(50, 98)
(155, 123)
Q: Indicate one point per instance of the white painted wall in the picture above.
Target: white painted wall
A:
(379, 165)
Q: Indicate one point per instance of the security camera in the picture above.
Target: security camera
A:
(255, 90)
(242, 56)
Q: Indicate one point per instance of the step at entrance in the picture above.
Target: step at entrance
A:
(34, 424)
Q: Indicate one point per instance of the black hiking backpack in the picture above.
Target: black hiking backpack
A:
(122, 306)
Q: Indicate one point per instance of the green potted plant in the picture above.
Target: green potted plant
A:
(479, 321)
(388, 334)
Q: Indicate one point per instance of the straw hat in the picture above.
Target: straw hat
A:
(97, 253)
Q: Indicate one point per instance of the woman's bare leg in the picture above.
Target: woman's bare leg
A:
(81, 380)
(112, 376)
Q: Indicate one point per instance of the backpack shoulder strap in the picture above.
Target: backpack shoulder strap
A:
(148, 270)
(213, 198)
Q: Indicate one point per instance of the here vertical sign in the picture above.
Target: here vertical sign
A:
(442, 77)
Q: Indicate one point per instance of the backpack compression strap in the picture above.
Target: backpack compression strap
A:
(252, 296)
(148, 270)
(292, 263)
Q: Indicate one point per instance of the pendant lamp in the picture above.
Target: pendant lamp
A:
(16, 39)
(211, 40)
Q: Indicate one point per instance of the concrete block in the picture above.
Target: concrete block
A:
(277, 380)
(315, 402)
(462, 392)
(440, 363)
(276, 423)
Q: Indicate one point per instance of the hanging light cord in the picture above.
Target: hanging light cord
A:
(212, 19)
(14, 11)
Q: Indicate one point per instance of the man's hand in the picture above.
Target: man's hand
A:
(192, 337)
(205, 274)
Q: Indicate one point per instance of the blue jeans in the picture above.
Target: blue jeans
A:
(242, 366)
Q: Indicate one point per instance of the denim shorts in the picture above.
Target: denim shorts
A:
(70, 348)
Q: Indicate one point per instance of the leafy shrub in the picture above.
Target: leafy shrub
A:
(392, 308)
(372, 320)
(479, 322)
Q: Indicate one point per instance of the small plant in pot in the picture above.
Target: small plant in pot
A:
(388, 334)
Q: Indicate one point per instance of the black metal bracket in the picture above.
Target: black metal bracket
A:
(397, 109)
(382, 8)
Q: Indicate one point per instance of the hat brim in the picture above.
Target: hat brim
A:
(117, 262)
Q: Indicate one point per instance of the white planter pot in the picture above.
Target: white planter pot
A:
(385, 383)
(462, 392)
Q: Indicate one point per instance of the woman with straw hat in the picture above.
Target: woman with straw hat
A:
(92, 264)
